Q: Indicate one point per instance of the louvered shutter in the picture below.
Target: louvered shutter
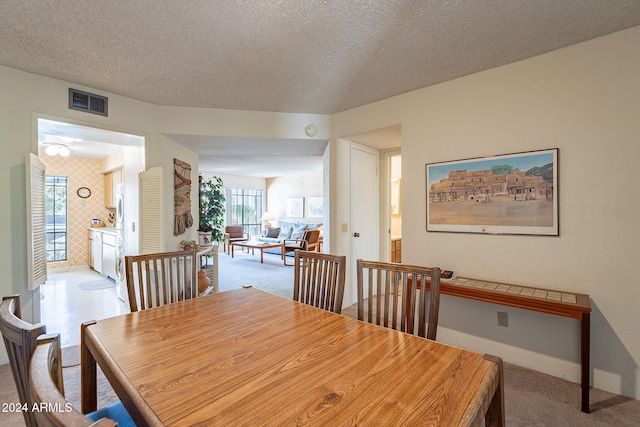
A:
(36, 241)
(151, 218)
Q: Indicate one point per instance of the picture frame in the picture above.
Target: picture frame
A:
(513, 194)
(295, 207)
(314, 207)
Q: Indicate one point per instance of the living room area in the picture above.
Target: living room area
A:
(268, 211)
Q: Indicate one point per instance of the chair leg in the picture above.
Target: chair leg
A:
(284, 257)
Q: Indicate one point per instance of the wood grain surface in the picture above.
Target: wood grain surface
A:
(246, 357)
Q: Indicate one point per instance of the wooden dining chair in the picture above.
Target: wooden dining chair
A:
(20, 341)
(308, 242)
(47, 392)
(318, 279)
(395, 296)
(161, 278)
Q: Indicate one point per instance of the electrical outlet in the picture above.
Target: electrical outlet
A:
(503, 319)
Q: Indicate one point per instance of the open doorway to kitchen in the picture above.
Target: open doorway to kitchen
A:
(91, 162)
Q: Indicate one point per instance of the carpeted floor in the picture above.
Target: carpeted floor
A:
(245, 269)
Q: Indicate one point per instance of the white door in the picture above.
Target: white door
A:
(364, 210)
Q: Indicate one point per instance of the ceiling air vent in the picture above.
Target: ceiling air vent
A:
(89, 102)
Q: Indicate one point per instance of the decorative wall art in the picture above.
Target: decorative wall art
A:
(314, 206)
(295, 207)
(181, 197)
(503, 194)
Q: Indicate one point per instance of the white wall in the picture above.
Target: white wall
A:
(238, 181)
(247, 124)
(584, 100)
(167, 151)
(301, 185)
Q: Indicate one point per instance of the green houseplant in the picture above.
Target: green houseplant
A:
(211, 204)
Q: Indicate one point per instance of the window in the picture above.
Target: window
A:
(246, 209)
(56, 217)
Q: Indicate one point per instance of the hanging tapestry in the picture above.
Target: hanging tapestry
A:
(181, 197)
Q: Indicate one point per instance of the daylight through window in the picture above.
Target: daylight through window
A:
(56, 217)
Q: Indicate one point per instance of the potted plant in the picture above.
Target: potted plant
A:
(204, 235)
(187, 245)
(211, 210)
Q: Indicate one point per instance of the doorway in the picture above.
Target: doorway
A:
(82, 154)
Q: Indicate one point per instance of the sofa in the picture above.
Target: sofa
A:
(286, 230)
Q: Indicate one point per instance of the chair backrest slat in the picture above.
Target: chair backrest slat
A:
(396, 294)
(319, 279)
(162, 278)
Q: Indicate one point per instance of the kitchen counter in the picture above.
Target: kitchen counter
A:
(109, 229)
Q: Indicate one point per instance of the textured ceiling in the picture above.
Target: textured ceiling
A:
(308, 56)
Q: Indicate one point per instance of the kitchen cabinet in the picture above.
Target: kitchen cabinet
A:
(111, 181)
(95, 250)
(396, 249)
(102, 251)
(109, 255)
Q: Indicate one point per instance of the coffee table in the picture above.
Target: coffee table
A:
(255, 245)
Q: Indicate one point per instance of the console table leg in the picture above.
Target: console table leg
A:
(585, 359)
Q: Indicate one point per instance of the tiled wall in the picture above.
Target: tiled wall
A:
(80, 173)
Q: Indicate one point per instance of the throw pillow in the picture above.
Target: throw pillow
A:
(298, 231)
(285, 231)
(273, 232)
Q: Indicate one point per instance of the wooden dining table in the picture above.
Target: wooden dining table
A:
(247, 357)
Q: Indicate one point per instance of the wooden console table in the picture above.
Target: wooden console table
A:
(566, 304)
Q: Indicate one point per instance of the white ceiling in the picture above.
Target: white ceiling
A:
(85, 142)
(312, 56)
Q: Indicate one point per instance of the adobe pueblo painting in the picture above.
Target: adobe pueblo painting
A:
(505, 194)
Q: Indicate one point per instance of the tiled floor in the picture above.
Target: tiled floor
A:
(64, 306)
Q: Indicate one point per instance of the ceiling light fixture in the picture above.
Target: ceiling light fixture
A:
(54, 149)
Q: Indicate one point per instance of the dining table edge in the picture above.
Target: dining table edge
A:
(137, 407)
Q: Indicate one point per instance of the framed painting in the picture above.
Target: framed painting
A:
(295, 207)
(503, 194)
(314, 206)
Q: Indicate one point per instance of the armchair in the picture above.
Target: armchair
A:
(233, 233)
(308, 242)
